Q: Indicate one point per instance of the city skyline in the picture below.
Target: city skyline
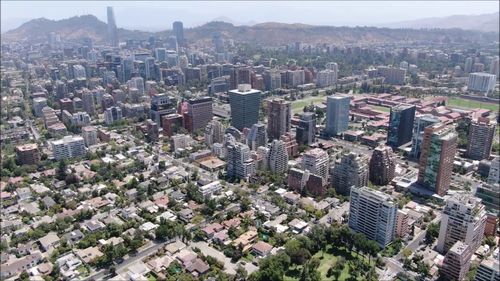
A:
(160, 14)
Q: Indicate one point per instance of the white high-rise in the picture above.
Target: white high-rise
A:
(68, 147)
(317, 162)
(278, 157)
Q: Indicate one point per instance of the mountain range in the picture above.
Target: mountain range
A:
(271, 33)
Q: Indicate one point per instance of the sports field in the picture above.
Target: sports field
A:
(465, 103)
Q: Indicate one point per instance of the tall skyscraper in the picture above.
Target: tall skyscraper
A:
(468, 65)
(373, 213)
(421, 122)
(278, 121)
(178, 29)
(481, 133)
(481, 82)
(245, 105)
(278, 157)
(306, 130)
(436, 160)
(400, 125)
(317, 162)
(382, 165)
(456, 262)
(494, 66)
(463, 219)
(199, 113)
(352, 171)
(337, 114)
(257, 136)
(112, 29)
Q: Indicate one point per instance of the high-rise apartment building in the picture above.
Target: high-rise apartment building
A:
(494, 66)
(89, 134)
(402, 224)
(382, 165)
(199, 113)
(456, 262)
(112, 115)
(214, 132)
(245, 105)
(421, 122)
(38, 104)
(392, 75)
(278, 157)
(481, 82)
(306, 129)
(400, 125)
(436, 160)
(337, 114)
(494, 173)
(317, 162)
(28, 154)
(239, 163)
(257, 136)
(463, 219)
(178, 29)
(490, 196)
(68, 147)
(112, 29)
(88, 102)
(352, 171)
(272, 80)
(481, 133)
(373, 213)
(278, 120)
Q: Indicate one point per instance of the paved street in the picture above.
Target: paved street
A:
(148, 250)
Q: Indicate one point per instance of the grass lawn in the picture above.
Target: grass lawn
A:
(380, 108)
(298, 105)
(465, 103)
(82, 270)
(330, 256)
(151, 277)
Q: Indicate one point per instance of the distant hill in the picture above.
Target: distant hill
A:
(270, 33)
(484, 22)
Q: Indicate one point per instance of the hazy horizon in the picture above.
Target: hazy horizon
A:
(154, 16)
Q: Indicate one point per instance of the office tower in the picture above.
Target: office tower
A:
(278, 157)
(149, 63)
(79, 72)
(161, 105)
(112, 29)
(421, 122)
(214, 132)
(38, 104)
(199, 113)
(172, 43)
(68, 147)
(89, 134)
(392, 75)
(171, 124)
(112, 115)
(494, 173)
(494, 66)
(161, 54)
(488, 270)
(456, 262)
(218, 42)
(245, 105)
(317, 162)
(489, 195)
(239, 163)
(352, 171)
(178, 30)
(463, 219)
(306, 129)
(337, 114)
(153, 130)
(27, 154)
(436, 160)
(468, 65)
(382, 165)
(481, 82)
(402, 224)
(373, 213)
(278, 120)
(400, 125)
(257, 136)
(481, 133)
(272, 80)
(88, 102)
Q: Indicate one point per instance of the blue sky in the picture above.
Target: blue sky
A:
(156, 15)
